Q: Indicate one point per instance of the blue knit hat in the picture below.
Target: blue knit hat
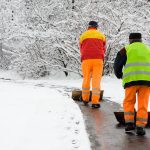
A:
(135, 36)
(93, 24)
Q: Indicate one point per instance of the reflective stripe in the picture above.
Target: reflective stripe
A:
(85, 92)
(96, 93)
(85, 88)
(129, 113)
(140, 125)
(137, 64)
(95, 89)
(141, 119)
(129, 120)
(136, 72)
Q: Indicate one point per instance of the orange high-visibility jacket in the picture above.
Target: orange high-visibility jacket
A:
(92, 44)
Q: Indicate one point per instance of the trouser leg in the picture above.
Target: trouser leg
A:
(128, 104)
(97, 70)
(142, 112)
(86, 71)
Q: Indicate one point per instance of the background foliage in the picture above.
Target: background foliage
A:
(40, 38)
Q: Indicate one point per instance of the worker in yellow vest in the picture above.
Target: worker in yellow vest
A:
(132, 64)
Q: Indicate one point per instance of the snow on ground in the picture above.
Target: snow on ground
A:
(39, 118)
(40, 114)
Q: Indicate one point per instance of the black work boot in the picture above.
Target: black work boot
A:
(94, 106)
(80, 99)
(129, 127)
(85, 103)
(140, 131)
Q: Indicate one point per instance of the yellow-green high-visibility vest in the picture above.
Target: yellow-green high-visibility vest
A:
(138, 63)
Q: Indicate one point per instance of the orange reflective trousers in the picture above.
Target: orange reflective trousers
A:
(91, 69)
(141, 93)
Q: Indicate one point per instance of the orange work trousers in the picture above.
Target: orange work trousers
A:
(91, 69)
(141, 93)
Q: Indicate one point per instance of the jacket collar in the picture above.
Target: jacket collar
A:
(92, 28)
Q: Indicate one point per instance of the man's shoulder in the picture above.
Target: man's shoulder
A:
(101, 34)
(93, 34)
(123, 51)
(84, 33)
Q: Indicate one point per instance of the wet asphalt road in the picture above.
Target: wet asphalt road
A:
(105, 133)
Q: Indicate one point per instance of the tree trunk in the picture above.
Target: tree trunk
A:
(73, 1)
(1, 51)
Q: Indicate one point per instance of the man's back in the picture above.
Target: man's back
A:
(92, 48)
(92, 44)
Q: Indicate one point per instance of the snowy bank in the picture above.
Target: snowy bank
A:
(39, 118)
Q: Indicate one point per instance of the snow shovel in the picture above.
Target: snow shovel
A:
(120, 118)
(77, 95)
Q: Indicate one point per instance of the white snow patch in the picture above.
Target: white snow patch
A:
(36, 118)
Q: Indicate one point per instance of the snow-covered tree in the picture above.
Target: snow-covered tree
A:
(39, 38)
(118, 18)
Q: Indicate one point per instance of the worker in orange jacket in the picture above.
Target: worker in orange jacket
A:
(92, 49)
